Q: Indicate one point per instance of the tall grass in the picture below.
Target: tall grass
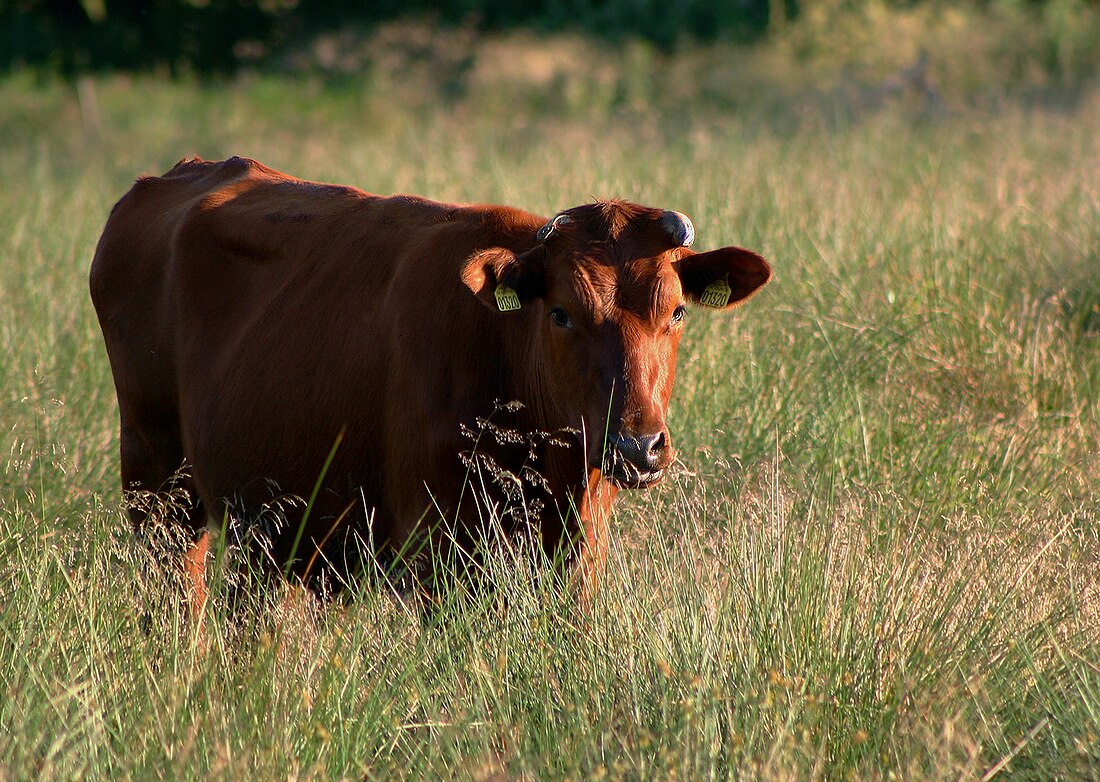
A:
(878, 558)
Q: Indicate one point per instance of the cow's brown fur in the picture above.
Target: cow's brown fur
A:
(252, 318)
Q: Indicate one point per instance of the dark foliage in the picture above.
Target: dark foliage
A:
(211, 36)
(71, 36)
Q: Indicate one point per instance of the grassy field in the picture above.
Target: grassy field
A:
(880, 558)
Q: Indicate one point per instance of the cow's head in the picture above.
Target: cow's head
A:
(604, 289)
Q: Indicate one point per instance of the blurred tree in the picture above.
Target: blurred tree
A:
(78, 35)
(215, 35)
(211, 36)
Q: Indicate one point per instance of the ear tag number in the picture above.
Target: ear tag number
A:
(507, 299)
(717, 294)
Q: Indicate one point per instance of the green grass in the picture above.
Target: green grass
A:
(881, 556)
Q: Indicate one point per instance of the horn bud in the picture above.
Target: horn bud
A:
(679, 227)
(547, 230)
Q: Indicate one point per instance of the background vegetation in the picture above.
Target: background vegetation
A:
(880, 557)
(221, 36)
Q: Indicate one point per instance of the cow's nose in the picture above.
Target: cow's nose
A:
(643, 451)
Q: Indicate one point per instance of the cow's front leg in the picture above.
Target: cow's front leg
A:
(194, 577)
(593, 506)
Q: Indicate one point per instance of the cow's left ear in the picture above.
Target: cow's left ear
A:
(503, 280)
(722, 278)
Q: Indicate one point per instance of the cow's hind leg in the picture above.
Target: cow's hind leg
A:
(161, 498)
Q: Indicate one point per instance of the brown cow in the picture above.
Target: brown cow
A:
(258, 325)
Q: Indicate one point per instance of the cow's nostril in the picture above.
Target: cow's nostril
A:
(651, 447)
(644, 451)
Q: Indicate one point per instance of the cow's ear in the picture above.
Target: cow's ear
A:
(722, 278)
(503, 280)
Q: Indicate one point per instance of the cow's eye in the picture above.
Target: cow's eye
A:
(561, 318)
(678, 314)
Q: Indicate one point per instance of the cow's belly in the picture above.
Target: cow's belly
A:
(258, 448)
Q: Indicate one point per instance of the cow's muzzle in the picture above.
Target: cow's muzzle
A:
(637, 462)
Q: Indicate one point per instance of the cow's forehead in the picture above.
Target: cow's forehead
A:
(614, 221)
(644, 287)
(616, 256)
(612, 233)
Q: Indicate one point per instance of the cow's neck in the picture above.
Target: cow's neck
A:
(582, 496)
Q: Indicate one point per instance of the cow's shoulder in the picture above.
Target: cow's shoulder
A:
(483, 222)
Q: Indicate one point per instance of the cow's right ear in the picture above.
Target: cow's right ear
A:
(503, 280)
(722, 278)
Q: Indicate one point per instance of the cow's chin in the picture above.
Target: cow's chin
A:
(626, 476)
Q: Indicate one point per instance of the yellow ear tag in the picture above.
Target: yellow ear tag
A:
(717, 294)
(507, 299)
